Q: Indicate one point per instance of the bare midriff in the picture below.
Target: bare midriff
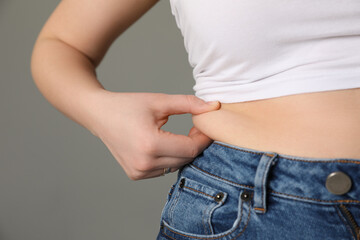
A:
(313, 125)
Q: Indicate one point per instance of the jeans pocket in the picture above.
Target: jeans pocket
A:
(197, 209)
(193, 205)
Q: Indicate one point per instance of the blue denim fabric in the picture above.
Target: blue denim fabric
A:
(230, 192)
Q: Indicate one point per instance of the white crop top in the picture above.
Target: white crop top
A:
(243, 50)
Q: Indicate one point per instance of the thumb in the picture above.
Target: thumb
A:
(202, 106)
(180, 104)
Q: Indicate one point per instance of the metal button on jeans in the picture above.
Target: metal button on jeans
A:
(338, 183)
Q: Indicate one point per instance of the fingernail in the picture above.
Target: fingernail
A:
(213, 103)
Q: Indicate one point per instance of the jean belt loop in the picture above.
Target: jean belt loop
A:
(262, 172)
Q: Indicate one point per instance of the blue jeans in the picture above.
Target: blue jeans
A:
(230, 192)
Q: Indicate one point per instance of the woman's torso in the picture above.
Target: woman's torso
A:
(319, 124)
(275, 65)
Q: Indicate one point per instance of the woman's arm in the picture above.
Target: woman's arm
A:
(72, 44)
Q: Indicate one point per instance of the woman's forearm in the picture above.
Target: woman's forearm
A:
(67, 79)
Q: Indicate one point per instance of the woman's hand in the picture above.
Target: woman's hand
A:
(129, 125)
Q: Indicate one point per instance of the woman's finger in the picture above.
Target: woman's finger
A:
(171, 104)
(157, 173)
(177, 145)
(171, 162)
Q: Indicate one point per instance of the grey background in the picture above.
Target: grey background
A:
(57, 180)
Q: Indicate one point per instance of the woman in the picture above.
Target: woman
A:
(279, 158)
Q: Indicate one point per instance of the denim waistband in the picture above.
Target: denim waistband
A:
(294, 177)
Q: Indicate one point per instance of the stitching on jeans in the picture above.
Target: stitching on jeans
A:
(293, 159)
(171, 190)
(174, 203)
(247, 222)
(241, 209)
(345, 222)
(242, 185)
(240, 219)
(168, 236)
(260, 209)
(199, 192)
(203, 222)
(318, 200)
